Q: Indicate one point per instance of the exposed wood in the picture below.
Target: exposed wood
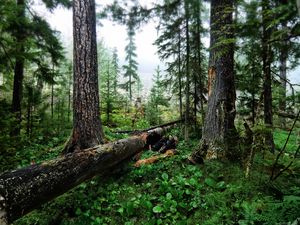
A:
(25, 189)
(154, 159)
(219, 134)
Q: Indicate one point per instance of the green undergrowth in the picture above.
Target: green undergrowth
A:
(280, 137)
(172, 191)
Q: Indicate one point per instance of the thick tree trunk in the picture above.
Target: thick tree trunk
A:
(201, 80)
(18, 70)
(219, 133)
(87, 129)
(25, 189)
(283, 78)
(266, 58)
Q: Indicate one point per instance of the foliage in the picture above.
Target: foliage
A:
(157, 99)
(173, 191)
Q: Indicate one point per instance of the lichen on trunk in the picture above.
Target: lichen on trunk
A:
(219, 133)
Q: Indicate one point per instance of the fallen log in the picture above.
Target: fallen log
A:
(25, 189)
(145, 130)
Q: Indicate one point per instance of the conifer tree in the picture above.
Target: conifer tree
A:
(87, 129)
(219, 133)
(131, 67)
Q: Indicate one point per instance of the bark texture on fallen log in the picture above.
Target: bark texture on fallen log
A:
(25, 189)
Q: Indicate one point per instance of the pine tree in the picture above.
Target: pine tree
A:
(132, 65)
(33, 42)
(157, 98)
(219, 134)
(87, 128)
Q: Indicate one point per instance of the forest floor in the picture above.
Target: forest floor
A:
(172, 191)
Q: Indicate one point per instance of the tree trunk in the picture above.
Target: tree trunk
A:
(200, 63)
(179, 74)
(282, 73)
(52, 95)
(87, 129)
(187, 94)
(219, 133)
(29, 119)
(19, 69)
(108, 96)
(266, 60)
(25, 189)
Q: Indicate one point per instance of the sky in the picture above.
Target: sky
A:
(115, 36)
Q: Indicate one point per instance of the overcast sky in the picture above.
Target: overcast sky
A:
(115, 36)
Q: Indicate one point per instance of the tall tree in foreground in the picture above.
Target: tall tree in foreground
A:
(87, 128)
(266, 60)
(219, 133)
(20, 37)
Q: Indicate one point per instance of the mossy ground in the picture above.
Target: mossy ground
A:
(172, 191)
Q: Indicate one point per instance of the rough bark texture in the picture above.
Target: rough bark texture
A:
(187, 91)
(87, 129)
(266, 58)
(283, 78)
(25, 189)
(19, 69)
(219, 133)
(179, 75)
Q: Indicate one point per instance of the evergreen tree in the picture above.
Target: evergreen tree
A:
(219, 134)
(33, 41)
(87, 129)
(132, 65)
(157, 98)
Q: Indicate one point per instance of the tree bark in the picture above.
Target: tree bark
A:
(266, 60)
(283, 78)
(87, 128)
(201, 80)
(25, 189)
(19, 69)
(187, 94)
(219, 133)
(179, 74)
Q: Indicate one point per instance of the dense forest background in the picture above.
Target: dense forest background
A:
(237, 155)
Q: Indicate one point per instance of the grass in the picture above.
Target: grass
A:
(280, 137)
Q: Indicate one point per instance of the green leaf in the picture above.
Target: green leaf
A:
(210, 182)
(169, 196)
(157, 209)
(165, 176)
(120, 210)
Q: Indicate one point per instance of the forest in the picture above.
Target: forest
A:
(213, 139)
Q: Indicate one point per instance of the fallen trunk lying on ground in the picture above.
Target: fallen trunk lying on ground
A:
(25, 189)
(145, 130)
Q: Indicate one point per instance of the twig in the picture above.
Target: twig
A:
(283, 149)
(147, 129)
(288, 166)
